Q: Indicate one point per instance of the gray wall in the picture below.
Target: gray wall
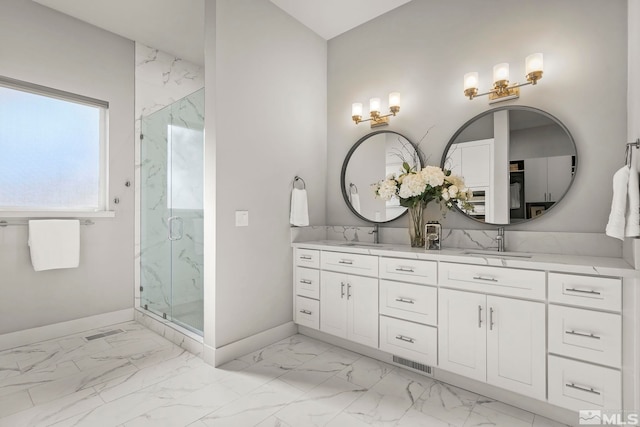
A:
(422, 49)
(47, 48)
(270, 101)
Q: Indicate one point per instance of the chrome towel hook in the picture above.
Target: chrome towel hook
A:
(296, 179)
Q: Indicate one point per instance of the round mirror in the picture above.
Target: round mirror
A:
(519, 162)
(371, 159)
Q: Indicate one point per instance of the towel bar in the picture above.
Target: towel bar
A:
(4, 223)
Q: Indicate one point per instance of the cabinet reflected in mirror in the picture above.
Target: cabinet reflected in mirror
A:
(371, 159)
(519, 162)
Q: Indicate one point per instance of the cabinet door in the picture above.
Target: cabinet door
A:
(516, 346)
(558, 176)
(362, 323)
(535, 180)
(462, 333)
(333, 304)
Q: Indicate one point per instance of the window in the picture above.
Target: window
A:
(53, 149)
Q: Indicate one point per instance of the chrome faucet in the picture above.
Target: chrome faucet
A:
(500, 239)
(376, 233)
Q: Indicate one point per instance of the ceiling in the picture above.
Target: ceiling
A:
(177, 26)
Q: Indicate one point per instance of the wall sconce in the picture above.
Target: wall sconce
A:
(502, 91)
(374, 110)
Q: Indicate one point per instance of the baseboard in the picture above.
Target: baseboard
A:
(59, 330)
(226, 353)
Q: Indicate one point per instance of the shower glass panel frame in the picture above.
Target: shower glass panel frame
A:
(171, 212)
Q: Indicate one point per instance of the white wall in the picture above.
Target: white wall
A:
(633, 95)
(422, 49)
(50, 49)
(270, 125)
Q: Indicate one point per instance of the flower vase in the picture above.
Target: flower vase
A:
(416, 224)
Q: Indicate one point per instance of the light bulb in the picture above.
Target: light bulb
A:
(394, 99)
(374, 105)
(501, 72)
(471, 80)
(533, 63)
(356, 109)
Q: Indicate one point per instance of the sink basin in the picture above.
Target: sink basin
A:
(495, 254)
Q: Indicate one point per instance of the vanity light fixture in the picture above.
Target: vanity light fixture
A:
(502, 91)
(374, 110)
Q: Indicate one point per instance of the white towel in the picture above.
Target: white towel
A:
(632, 220)
(54, 244)
(299, 208)
(615, 226)
(355, 201)
(514, 190)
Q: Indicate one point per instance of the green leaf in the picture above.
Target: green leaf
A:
(406, 167)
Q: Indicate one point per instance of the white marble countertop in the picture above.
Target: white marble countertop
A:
(603, 266)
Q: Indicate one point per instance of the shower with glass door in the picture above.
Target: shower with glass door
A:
(171, 212)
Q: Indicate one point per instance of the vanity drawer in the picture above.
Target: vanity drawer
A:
(308, 312)
(410, 340)
(364, 265)
(308, 282)
(585, 334)
(587, 291)
(308, 258)
(411, 302)
(494, 280)
(409, 270)
(578, 385)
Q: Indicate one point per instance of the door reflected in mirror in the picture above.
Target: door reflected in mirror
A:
(519, 162)
(373, 157)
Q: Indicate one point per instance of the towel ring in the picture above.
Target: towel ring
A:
(353, 187)
(296, 179)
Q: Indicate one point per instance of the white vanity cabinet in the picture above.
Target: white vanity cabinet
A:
(349, 304)
(307, 287)
(489, 337)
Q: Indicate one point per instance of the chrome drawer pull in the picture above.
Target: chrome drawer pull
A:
(588, 390)
(491, 318)
(582, 291)
(305, 257)
(405, 339)
(305, 282)
(305, 312)
(341, 290)
(589, 335)
(349, 291)
(479, 316)
(345, 261)
(405, 300)
(405, 269)
(487, 279)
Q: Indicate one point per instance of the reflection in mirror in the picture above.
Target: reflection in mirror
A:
(519, 162)
(373, 157)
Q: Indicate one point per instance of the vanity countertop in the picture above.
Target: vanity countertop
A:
(591, 265)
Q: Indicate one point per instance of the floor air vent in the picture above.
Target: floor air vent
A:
(413, 365)
(103, 334)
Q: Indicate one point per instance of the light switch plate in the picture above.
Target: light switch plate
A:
(242, 218)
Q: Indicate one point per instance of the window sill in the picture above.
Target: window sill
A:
(57, 214)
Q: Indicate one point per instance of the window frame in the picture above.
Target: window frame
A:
(103, 191)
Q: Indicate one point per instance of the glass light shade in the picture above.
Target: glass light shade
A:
(471, 80)
(501, 72)
(394, 99)
(534, 62)
(356, 109)
(374, 104)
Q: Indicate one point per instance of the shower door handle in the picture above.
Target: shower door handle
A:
(172, 221)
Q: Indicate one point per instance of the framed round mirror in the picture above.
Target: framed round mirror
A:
(519, 161)
(371, 159)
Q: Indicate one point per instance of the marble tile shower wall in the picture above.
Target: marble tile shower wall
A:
(583, 244)
(161, 79)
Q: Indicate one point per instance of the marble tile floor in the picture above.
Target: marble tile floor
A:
(137, 378)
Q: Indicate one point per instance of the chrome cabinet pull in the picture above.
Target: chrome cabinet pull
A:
(580, 334)
(405, 269)
(491, 318)
(486, 279)
(348, 290)
(305, 312)
(588, 390)
(405, 339)
(345, 261)
(582, 291)
(307, 257)
(341, 290)
(405, 300)
(305, 282)
(479, 316)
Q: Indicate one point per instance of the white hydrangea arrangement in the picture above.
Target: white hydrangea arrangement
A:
(414, 188)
